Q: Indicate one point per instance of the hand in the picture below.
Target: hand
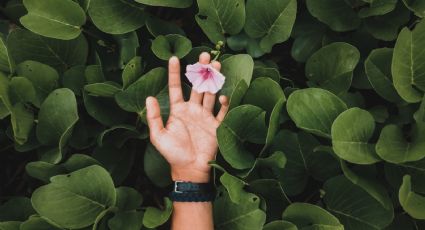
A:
(188, 141)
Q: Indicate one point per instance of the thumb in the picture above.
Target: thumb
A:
(153, 116)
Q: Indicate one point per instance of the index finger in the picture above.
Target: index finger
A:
(174, 83)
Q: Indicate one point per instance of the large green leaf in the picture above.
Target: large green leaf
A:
(129, 220)
(133, 98)
(412, 203)
(351, 142)
(308, 216)
(332, 66)
(272, 21)
(117, 16)
(378, 7)
(237, 68)
(168, 3)
(407, 68)
(280, 225)
(354, 207)
(314, 110)
(76, 199)
(37, 223)
(378, 71)
(241, 124)
(43, 77)
(219, 17)
(61, 19)
(164, 47)
(417, 6)
(56, 119)
(370, 185)
(246, 215)
(338, 15)
(302, 161)
(394, 174)
(25, 45)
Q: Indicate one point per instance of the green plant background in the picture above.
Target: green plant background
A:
(326, 128)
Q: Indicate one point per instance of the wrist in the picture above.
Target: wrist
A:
(190, 175)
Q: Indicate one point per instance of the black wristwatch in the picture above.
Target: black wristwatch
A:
(185, 191)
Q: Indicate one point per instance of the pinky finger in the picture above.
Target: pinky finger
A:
(224, 101)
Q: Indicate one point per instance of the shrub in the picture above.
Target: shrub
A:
(326, 127)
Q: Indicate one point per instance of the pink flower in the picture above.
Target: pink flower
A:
(204, 78)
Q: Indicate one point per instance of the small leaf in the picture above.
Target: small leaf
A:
(154, 217)
(157, 169)
(164, 47)
(305, 215)
(412, 203)
(351, 142)
(417, 6)
(167, 3)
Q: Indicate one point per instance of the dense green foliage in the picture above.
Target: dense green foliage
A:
(326, 128)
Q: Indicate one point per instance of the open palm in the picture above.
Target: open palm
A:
(188, 141)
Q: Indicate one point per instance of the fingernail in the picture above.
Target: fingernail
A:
(174, 59)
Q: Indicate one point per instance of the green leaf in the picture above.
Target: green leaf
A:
(236, 68)
(16, 209)
(10, 225)
(117, 161)
(157, 26)
(104, 89)
(302, 161)
(370, 185)
(62, 200)
(44, 171)
(378, 7)
(245, 215)
(354, 207)
(394, 174)
(393, 147)
(417, 6)
(133, 98)
(132, 71)
(351, 142)
(104, 110)
(280, 225)
(378, 71)
(266, 72)
(407, 68)
(59, 54)
(164, 47)
(314, 110)
(43, 77)
(272, 21)
(128, 199)
(56, 119)
(338, 15)
(217, 18)
(130, 220)
(305, 215)
(154, 217)
(332, 66)
(118, 135)
(412, 203)
(167, 3)
(7, 64)
(156, 167)
(128, 45)
(234, 187)
(37, 223)
(241, 124)
(381, 28)
(60, 19)
(104, 14)
(74, 79)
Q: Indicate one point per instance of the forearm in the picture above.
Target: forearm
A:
(192, 215)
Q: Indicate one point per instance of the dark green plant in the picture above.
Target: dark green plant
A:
(326, 128)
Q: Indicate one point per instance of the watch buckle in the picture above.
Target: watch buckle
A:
(175, 186)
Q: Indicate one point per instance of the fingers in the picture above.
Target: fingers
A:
(224, 101)
(174, 83)
(196, 97)
(209, 98)
(153, 117)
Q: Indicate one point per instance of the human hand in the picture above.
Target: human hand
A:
(188, 141)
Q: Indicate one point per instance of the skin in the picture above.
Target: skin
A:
(188, 142)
